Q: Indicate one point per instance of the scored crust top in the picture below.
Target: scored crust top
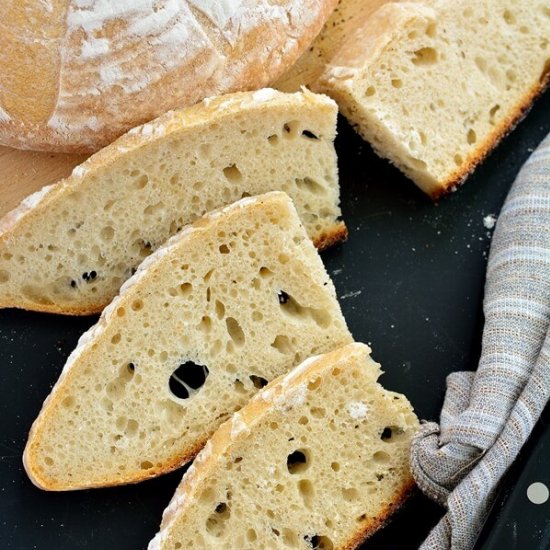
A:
(78, 73)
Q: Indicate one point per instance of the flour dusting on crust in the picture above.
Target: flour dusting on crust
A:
(218, 11)
(4, 117)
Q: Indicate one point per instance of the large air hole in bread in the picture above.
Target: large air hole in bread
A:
(187, 379)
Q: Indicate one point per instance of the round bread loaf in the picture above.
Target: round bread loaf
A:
(78, 73)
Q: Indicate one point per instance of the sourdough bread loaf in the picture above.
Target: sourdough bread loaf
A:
(228, 304)
(68, 248)
(77, 74)
(434, 85)
(318, 459)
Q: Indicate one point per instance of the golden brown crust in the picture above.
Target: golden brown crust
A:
(493, 139)
(336, 234)
(52, 308)
(93, 119)
(48, 484)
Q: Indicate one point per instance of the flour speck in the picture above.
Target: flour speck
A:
(489, 221)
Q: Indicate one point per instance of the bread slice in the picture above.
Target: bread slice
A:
(69, 248)
(228, 304)
(318, 459)
(434, 85)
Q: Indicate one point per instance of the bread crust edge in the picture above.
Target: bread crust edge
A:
(369, 528)
(515, 116)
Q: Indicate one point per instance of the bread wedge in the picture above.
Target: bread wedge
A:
(434, 85)
(318, 459)
(69, 248)
(228, 304)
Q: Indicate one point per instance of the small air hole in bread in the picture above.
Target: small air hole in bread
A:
(141, 181)
(298, 461)
(425, 56)
(309, 184)
(381, 457)
(307, 492)
(232, 173)
(292, 129)
(282, 344)
(319, 542)
(215, 524)
(258, 381)
(235, 331)
(283, 296)
(309, 134)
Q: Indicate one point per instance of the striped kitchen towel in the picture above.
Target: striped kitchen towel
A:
(488, 415)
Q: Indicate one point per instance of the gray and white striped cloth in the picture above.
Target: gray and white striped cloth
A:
(488, 415)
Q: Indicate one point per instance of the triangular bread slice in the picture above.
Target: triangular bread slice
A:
(318, 459)
(229, 303)
(433, 86)
(68, 248)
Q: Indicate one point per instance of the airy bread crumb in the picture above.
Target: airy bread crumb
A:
(228, 304)
(69, 248)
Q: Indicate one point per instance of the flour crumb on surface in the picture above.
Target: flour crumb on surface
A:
(489, 221)
(352, 294)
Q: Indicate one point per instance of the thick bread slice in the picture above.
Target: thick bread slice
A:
(68, 248)
(434, 85)
(242, 292)
(318, 459)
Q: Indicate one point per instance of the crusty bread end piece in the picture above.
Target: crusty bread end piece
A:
(434, 85)
(318, 459)
(68, 248)
(229, 303)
